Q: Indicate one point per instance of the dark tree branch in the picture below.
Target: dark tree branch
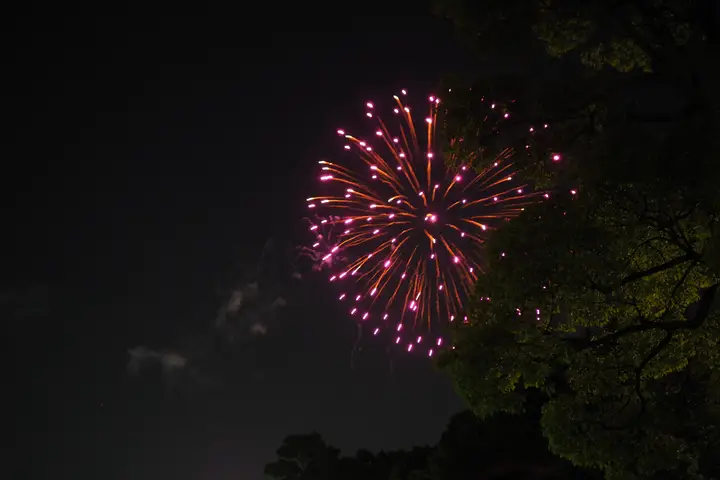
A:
(697, 321)
(681, 281)
(662, 345)
(658, 268)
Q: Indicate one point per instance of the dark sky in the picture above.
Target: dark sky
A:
(153, 154)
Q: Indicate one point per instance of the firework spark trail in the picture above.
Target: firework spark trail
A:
(410, 227)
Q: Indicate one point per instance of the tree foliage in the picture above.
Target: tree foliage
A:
(603, 299)
(503, 447)
(606, 304)
(625, 35)
(303, 457)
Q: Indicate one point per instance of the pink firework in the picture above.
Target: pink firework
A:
(401, 230)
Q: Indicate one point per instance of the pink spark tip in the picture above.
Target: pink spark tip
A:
(407, 110)
(556, 158)
(396, 110)
(312, 205)
(573, 192)
(397, 340)
(369, 114)
(410, 347)
(458, 178)
(374, 177)
(387, 263)
(399, 327)
(430, 353)
(546, 195)
(357, 299)
(316, 244)
(341, 297)
(341, 132)
(419, 339)
(314, 227)
(365, 315)
(456, 260)
(385, 316)
(430, 155)
(404, 92)
(439, 341)
(375, 332)
(352, 312)
(378, 133)
(369, 105)
(373, 292)
(326, 177)
(428, 120)
(506, 115)
(432, 99)
(347, 147)
(332, 279)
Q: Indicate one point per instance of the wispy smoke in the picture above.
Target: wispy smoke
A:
(249, 311)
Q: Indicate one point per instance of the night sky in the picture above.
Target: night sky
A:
(155, 155)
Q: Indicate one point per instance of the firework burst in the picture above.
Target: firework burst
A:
(401, 230)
